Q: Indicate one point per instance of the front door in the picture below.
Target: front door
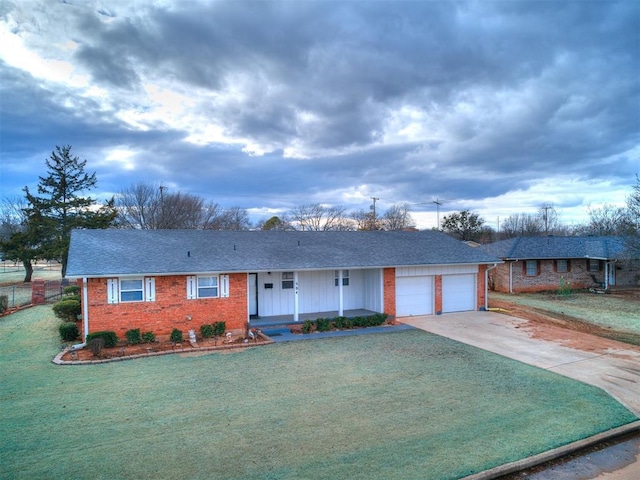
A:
(253, 295)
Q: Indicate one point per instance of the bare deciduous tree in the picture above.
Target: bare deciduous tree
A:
(398, 217)
(317, 217)
(148, 207)
(607, 220)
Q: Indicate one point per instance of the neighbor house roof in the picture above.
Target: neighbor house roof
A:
(551, 247)
(95, 253)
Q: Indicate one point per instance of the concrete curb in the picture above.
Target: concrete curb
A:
(554, 454)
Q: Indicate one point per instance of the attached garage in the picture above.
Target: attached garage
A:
(414, 295)
(458, 293)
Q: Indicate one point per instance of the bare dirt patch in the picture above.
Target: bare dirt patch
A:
(549, 324)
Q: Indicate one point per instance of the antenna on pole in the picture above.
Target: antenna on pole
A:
(438, 203)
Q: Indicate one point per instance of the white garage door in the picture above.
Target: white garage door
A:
(458, 293)
(414, 296)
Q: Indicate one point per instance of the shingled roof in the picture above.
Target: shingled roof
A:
(551, 247)
(101, 253)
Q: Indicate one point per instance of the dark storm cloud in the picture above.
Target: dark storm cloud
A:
(466, 100)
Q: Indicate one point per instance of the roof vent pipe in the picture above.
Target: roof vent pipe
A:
(188, 253)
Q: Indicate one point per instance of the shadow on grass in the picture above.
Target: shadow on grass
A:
(400, 405)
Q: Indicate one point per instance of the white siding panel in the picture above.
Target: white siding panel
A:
(436, 270)
(458, 293)
(414, 295)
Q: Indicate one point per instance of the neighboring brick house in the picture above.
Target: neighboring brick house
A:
(157, 280)
(544, 263)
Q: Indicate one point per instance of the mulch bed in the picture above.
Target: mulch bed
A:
(126, 352)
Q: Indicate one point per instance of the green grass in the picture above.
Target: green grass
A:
(608, 311)
(401, 405)
(11, 273)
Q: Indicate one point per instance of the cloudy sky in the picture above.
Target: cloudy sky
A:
(496, 107)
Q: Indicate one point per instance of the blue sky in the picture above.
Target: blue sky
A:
(496, 107)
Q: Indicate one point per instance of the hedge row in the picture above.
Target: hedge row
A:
(343, 323)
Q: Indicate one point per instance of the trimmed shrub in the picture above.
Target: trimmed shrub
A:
(307, 326)
(110, 338)
(206, 331)
(323, 324)
(338, 322)
(67, 309)
(4, 303)
(176, 336)
(68, 331)
(219, 328)
(133, 336)
(378, 319)
(72, 290)
(148, 337)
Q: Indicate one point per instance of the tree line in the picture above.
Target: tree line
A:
(38, 225)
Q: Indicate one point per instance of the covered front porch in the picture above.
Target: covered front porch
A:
(273, 320)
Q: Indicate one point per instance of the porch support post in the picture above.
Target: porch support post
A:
(341, 295)
(295, 296)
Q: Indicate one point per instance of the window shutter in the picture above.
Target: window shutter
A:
(112, 290)
(224, 286)
(150, 289)
(192, 287)
(568, 265)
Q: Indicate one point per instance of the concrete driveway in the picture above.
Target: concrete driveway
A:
(610, 365)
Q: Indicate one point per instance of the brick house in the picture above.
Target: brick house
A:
(157, 280)
(544, 263)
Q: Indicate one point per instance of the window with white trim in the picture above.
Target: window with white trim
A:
(208, 286)
(345, 278)
(124, 290)
(594, 265)
(287, 280)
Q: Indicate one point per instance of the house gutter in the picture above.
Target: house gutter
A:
(85, 314)
(486, 286)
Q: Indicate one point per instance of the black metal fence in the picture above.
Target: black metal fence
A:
(19, 295)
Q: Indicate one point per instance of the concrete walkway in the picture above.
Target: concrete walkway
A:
(610, 365)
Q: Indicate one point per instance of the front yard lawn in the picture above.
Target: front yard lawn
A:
(400, 405)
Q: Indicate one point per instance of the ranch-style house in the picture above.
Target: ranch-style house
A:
(157, 280)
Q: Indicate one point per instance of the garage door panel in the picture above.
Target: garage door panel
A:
(458, 293)
(414, 296)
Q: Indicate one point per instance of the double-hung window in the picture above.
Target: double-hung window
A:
(207, 287)
(345, 278)
(562, 266)
(531, 268)
(287, 280)
(123, 290)
(594, 265)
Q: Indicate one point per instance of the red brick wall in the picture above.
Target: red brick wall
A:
(438, 294)
(480, 285)
(548, 279)
(170, 310)
(389, 295)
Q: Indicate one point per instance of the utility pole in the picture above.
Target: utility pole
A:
(438, 203)
(162, 219)
(546, 209)
(374, 225)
